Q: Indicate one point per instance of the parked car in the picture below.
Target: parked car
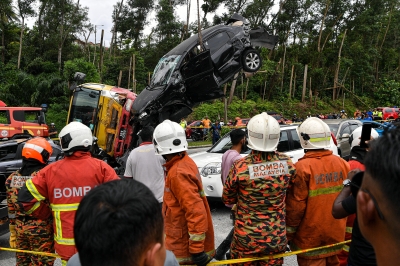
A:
(342, 129)
(194, 72)
(388, 113)
(209, 162)
(193, 131)
(10, 161)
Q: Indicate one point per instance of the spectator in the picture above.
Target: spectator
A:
(361, 252)
(260, 227)
(129, 211)
(357, 113)
(216, 132)
(188, 225)
(206, 125)
(145, 166)
(52, 131)
(183, 123)
(318, 181)
(378, 210)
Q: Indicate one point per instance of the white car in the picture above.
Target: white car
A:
(209, 162)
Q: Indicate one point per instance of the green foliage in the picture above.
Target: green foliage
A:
(388, 93)
(81, 65)
(58, 112)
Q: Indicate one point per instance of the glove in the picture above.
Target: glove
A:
(13, 237)
(201, 259)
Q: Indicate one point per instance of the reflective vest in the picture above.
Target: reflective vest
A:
(309, 221)
(63, 184)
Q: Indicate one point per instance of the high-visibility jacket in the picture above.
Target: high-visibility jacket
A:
(187, 217)
(63, 184)
(309, 221)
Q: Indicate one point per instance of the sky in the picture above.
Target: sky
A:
(100, 14)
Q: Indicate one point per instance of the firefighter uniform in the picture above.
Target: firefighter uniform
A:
(63, 184)
(32, 233)
(258, 184)
(310, 223)
(187, 217)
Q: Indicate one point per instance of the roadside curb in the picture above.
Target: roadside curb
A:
(200, 146)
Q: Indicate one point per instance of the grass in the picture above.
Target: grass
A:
(199, 143)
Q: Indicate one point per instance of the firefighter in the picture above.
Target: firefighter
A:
(187, 218)
(318, 181)
(28, 232)
(257, 184)
(64, 183)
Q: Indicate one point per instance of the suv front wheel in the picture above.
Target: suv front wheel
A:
(251, 60)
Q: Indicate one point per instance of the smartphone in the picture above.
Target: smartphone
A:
(365, 134)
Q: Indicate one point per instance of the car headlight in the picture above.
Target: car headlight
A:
(211, 169)
(142, 115)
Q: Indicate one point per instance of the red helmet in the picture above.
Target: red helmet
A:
(38, 149)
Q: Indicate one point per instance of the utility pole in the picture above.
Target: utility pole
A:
(101, 56)
(95, 44)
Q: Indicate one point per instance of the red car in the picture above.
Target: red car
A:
(388, 113)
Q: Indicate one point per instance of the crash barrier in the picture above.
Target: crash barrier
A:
(275, 256)
(31, 252)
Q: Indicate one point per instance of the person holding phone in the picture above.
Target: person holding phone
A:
(360, 251)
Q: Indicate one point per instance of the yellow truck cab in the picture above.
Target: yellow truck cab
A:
(105, 110)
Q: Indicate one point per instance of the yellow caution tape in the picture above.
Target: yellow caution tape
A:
(275, 256)
(32, 252)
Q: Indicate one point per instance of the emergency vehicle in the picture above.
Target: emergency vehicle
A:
(22, 122)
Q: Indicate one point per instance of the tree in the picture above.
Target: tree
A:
(7, 14)
(25, 10)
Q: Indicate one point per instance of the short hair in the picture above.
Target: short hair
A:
(147, 133)
(237, 135)
(382, 163)
(116, 222)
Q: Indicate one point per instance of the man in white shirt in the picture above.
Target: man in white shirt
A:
(145, 166)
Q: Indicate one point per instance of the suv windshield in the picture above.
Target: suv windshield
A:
(225, 144)
(164, 70)
(84, 106)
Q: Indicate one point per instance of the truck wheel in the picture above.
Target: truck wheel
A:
(251, 60)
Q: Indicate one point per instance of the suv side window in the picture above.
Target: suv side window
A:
(4, 118)
(296, 140)
(283, 142)
(216, 42)
(8, 152)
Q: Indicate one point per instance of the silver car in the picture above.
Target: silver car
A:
(342, 129)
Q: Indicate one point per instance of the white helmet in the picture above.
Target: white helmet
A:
(264, 132)
(354, 139)
(75, 136)
(314, 134)
(169, 137)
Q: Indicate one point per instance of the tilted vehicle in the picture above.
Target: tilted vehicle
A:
(192, 72)
(23, 122)
(209, 162)
(105, 110)
(10, 161)
(388, 113)
(342, 129)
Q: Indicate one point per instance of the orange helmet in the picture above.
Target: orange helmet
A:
(38, 149)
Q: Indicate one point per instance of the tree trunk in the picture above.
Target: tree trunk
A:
(310, 92)
(336, 79)
(322, 26)
(134, 72)
(60, 44)
(119, 78)
(283, 68)
(303, 96)
(291, 80)
(233, 86)
(20, 43)
(3, 51)
(245, 92)
(129, 72)
(225, 104)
